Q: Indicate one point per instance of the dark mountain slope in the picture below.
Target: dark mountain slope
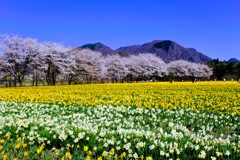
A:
(167, 50)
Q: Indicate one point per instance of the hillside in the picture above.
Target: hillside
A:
(233, 60)
(98, 47)
(165, 49)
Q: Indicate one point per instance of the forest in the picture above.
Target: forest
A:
(224, 70)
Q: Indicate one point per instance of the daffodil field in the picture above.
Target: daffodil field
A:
(179, 120)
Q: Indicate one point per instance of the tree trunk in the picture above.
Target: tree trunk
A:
(36, 81)
(33, 80)
(20, 83)
(53, 79)
(15, 82)
(70, 79)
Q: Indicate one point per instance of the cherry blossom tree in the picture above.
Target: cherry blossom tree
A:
(69, 67)
(178, 68)
(146, 66)
(204, 71)
(182, 68)
(37, 67)
(54, 61)
(89, 65)
(116, 68)
(16, 56)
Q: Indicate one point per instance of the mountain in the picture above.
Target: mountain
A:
(165, 49)
(97, 47)
(233, 60)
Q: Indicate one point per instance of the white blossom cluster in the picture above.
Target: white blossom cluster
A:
(26, 58)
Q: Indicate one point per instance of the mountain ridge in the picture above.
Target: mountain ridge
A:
(166, 49)
(232, 60)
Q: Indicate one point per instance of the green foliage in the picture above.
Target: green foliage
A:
(224, 69)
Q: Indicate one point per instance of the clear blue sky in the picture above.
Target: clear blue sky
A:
(210, 26)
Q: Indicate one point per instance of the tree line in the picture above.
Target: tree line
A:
(224, 70)
(49, 63)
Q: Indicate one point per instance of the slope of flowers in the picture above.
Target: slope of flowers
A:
(117, 131)
(121, 121)
(210, 96)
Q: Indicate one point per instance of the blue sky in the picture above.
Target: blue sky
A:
(210, 26)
